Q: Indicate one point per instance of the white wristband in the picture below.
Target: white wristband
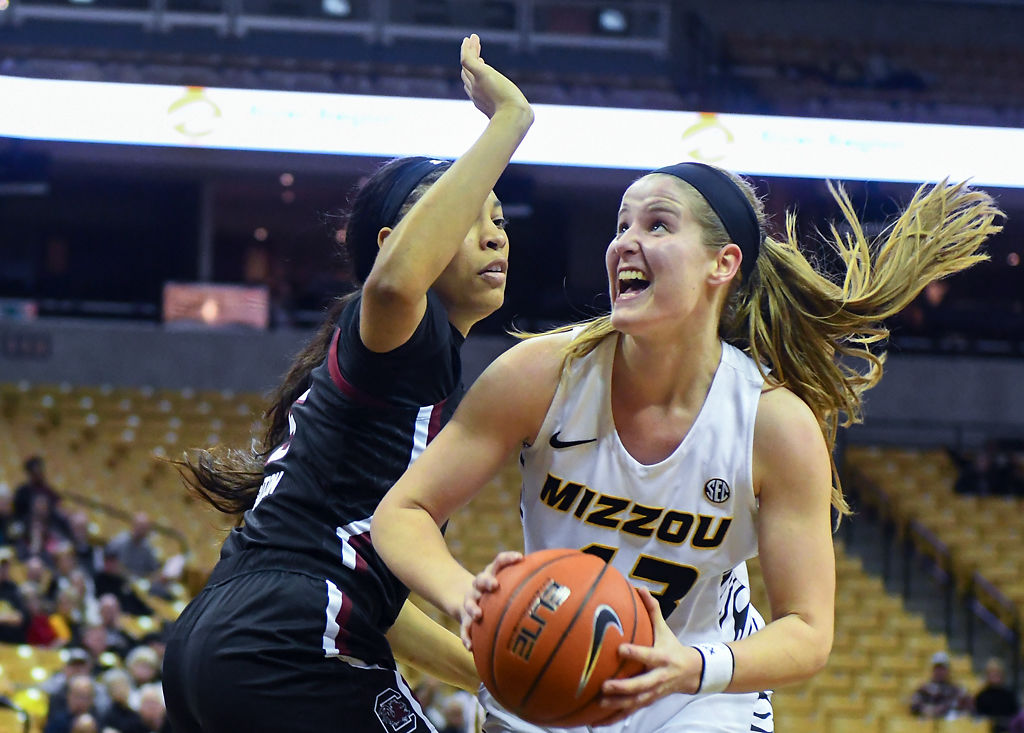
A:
(718, 667)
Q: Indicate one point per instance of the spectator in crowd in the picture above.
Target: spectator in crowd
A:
(36, 485)
(454, 714)
(81, 699)
(119, 641)
(65, 563)
(143, 666)
(133, 548)
(86, 551)
(76, 662)
(12, 608)
(939, 697)
(38, 629)
(152, 709)
(95, 640)
(36, 572)
(120, 715)
(110, 579)
(67, 616)
(139, 559)
(41, 533)
(7, 522)
(990, 471)
(995, 700)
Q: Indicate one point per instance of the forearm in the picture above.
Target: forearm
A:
(411, 260)
(419, 641)
(786, 651)
(410, 542)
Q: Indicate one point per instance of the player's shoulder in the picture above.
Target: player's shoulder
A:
(784, 418)
(538, 356)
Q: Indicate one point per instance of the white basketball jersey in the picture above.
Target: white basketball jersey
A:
(677, 527)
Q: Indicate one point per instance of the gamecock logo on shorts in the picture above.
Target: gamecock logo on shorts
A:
(393, 711)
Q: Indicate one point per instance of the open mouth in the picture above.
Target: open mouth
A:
(632, 282)
(494, 273)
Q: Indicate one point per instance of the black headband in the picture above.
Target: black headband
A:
(405, 183)
(729, 202)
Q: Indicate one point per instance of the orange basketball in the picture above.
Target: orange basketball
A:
(550, 636)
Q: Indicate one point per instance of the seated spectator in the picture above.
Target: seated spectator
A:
(138, 558)
(77, 662)
(995, 700)
(81, 699)
(110, 579)
(37, 573)
(7, 521)
(87, 552)
(67, 617)
(143, 666)
(13, 620)
(939, 697)
(96, 641)
(120, 716)
(38, 629)
(65, 562)
(991, 471)
(152, 709)
(119, 641)
(36, 486)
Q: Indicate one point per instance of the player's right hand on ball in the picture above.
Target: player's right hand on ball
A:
(489, 89)
(485, 582)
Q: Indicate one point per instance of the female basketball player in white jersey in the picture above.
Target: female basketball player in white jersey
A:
(689, 430)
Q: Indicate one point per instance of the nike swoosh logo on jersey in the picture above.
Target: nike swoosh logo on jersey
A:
(604, 616)
(555, 443)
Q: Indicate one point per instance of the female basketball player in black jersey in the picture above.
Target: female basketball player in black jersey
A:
(300, 623)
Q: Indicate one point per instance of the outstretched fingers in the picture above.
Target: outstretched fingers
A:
(485, 582)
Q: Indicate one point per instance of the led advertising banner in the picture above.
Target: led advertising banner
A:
(245, 119)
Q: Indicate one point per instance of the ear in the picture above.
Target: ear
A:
(726, 264)
(382, 235)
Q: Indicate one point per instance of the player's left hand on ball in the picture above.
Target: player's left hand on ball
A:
(669, 667)
(486, 581)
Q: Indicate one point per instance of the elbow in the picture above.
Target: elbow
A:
(388, 288)
(819, 648)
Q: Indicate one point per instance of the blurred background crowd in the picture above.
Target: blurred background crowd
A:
(100, 548)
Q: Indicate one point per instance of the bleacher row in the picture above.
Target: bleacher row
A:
(914, 489)
(107, 443)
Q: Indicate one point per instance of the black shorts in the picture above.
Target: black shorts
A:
(245, 656)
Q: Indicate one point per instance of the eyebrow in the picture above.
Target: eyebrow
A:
(657, 206)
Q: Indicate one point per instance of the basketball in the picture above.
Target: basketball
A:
(549, 636)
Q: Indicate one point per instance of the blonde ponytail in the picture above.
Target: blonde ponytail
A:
(811, 330)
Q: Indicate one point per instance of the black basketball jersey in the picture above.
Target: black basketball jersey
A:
(365, 418)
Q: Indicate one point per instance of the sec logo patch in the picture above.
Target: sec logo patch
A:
(717, 491)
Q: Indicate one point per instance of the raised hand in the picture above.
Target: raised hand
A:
(489, 89)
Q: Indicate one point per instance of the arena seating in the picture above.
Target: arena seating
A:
(914, 490)
(107, 443)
